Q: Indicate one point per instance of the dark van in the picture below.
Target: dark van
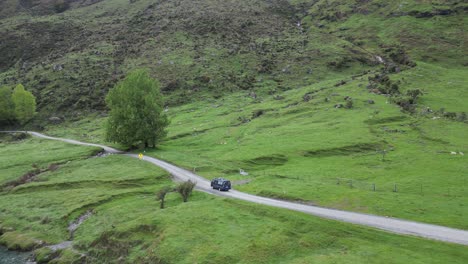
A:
(221, 184)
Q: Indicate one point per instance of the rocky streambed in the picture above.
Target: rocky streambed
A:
(14, 257)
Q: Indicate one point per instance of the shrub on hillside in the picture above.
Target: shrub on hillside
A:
(185, 189)
(462, 117)
(161, 195)
(7, 113)
(17, 105)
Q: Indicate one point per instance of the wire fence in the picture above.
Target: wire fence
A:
(416, 188)
(420, 188)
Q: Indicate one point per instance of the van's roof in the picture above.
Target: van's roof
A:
(222, 179)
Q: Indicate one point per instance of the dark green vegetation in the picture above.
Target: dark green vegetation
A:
(25, 104)
(200, 49)
(125, 225)
(17, 105)
(7, 112)
(185, 189)
(136, 114)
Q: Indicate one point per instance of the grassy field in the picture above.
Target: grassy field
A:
(308, 150)
(127, 226)
(297, 150)
(19, 157)
(43, 207)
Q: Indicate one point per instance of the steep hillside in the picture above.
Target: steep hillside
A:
(69, 57)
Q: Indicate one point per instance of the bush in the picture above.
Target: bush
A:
(185, 189)
(25, 104)
(462, 117)
(161, 195)
(450, 115)
(17, 105)
(414, 95)
(7, 109)
(61, 6)
(257, 113)
(405, 103)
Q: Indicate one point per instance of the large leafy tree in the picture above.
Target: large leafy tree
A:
(25, 104)
(136, 111)
(7, 108)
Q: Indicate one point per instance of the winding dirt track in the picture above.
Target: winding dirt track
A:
(393, 225)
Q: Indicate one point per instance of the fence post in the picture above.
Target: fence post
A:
(395, 188)
(373, 187)
(351, 183)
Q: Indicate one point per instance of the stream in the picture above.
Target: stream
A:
(13, 257)
(17, 257)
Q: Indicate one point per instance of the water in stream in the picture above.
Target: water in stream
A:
(13, 257)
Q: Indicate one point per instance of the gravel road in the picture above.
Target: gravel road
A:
(393, 225)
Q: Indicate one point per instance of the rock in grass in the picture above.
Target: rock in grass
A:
(55, 120)
(338, 106)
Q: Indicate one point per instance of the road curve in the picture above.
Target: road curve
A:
(393, 225)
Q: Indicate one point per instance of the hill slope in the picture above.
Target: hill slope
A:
(70, 57)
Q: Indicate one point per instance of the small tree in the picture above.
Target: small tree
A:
(414, 94)
(161, 195)
(384, 153)
(7, 107)
(25, 104)
(136, 111)
(185, 189)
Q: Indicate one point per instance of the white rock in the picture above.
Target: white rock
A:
(379, 59)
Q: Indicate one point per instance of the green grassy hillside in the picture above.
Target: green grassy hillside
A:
(127, 226)
(355, 105)
(296, 145)
(205, 49)
(314, 152)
